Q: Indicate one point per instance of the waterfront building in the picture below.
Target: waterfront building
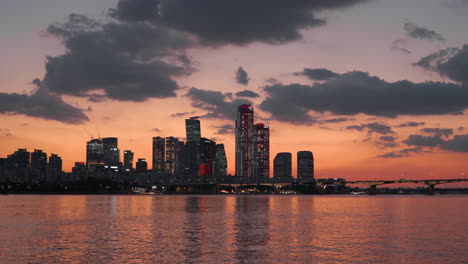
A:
(244, 141)
(171, 146)
(261, 151)
(55, 163)
(220, 166)
(94, 154)
(207, 157)
(111, 151)
(305, 165)
(19, 159)
(282, 166)
(128, 160)
(193, 134)
(141, 165)
(159, 153)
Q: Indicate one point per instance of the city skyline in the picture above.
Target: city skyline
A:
(374, 94)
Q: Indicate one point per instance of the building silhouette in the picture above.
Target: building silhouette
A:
(38, 166)
(171, 151)
(141, 165)
(207, 157)
(305, 165)
(244, 141)
(192, 148)
(282, 166)
(261, 150)
(128, 160)
(159, 155)
(94, 154)
(220, 166)
(111, 151)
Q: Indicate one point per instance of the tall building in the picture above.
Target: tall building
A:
(159, 154)
(244, 141)
(128, 160)
(19, 159)
(55, 162)
(220, 165)
(171, 147)
(111, 151)
(94, 154)
(305, 165)
(262, 150)
(282, 165)
(141, 165)
(38, 160)
(192, 146)
(207, 157)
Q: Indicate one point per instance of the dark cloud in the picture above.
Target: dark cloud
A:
(399, 45)
(42, 104)
(358, 92)
(156, 130)
(128, 61)
(423, 141)
(318, 74)
(387, 142)
(451, 62)
(460, 128)
(411, 124)
(440, 132)
(336, 120)
(236, 22)
(419, 32)
(242, 77)
(401, 153)
(247, 93)
(372, 128)
(217, 104)
(459, 143)
(175, 115)
(225, 129)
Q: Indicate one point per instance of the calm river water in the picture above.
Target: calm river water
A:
(239, 229)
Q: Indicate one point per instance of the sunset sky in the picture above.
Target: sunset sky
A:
(376, 89)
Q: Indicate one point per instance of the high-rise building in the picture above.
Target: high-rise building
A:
(128, 160)
(94, 154)
(192, 146)
(159, 154)
(244, 141)
(262, 150)
(19, 159)
(55, 162)
(111, 151)
(220, 161)
(171, 147)
(305, 165)
(207, 157)
(38, 161)
(141, 165)
(282, 165)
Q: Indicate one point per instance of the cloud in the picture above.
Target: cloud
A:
(336, 120)
(242, 77)
(247, 93)
(175, 115)
(459, 143)
(399, 45)
(156, 130)
(373, 128)
(460, 128)
(450, 62)
(401, 153)
(237, 22)
(387, 142)
(440, 132)
(423, 141)
(317, 74)
(5, 132)
(411, 124)
(217, 104)
(357, 92)
(127, 61)
(419, 32)
(225, 129)
(42, 104)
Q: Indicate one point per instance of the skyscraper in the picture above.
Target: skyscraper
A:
(244, 141)
(207, 157)
(38, 165)
(262, 150)
(111, 151)
(282, 165)
(171, 146)
(128, 160)
(94, 154)
(141, 165)
(220, 165)
(193, 133)
(305, 165)
(55, 162)
(159, 154)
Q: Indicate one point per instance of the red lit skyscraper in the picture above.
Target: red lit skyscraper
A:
(262, 150)
(244, 141)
